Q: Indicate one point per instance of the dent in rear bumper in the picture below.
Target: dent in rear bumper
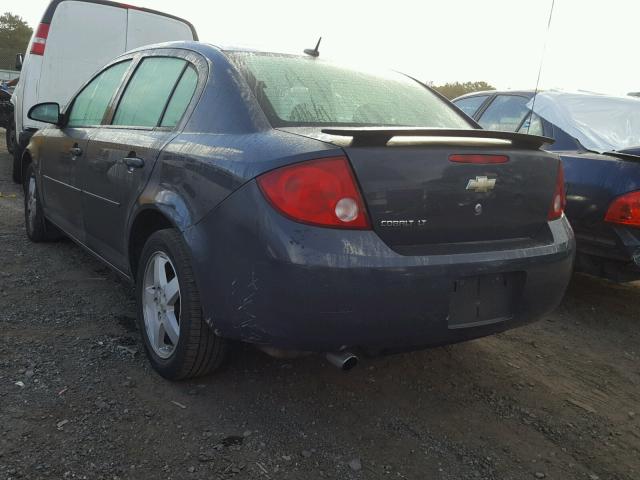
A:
(265, 279)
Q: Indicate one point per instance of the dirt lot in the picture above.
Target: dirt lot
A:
(557, 400)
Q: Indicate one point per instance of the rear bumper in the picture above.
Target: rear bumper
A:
(267, 280)
(610, 251)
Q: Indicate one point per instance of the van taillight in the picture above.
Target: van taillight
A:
(625, 210)
(40, 39)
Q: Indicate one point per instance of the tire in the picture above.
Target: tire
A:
(11, 136)
(16, 172)
(39, 229)
(178, 342)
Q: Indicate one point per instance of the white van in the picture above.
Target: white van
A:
(74, 40)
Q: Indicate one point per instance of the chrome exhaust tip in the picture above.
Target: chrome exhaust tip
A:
(344, 361)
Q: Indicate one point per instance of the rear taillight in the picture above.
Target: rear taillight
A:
(319, 192)
(478, 159)
(559, 196)
(40, 39)
(625, 210)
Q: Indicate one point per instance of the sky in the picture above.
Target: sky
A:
(591, 45)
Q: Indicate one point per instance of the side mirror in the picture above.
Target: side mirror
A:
(19, 61)
(46, 112)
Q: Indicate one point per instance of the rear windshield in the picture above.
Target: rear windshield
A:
(299, 91)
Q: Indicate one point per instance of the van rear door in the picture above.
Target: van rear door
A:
(145, 28)
(83, 37)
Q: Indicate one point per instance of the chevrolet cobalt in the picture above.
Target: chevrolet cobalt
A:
(298, 205)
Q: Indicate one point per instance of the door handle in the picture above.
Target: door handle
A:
(133, 162)
(76, 151)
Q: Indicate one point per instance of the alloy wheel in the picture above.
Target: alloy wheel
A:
(161, 304)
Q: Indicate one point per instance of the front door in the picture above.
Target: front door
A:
(60, 156)
(66, 151)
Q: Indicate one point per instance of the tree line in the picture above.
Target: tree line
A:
(15, 34)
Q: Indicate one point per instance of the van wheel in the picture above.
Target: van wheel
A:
(39, 229)
(178, 342)
(16, 173)
(11, 136)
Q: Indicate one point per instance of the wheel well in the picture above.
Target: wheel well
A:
(146, 223)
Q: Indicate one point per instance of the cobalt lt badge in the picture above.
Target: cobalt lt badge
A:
(481, 184)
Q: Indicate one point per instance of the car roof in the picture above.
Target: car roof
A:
(522, 93)
(206, 49)
(51, 9)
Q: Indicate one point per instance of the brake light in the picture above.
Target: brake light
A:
(478, 159)
(40, 39)
(559, 200)
(625, 210)
(318, 192)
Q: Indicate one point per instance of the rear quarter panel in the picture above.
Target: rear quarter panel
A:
(226, 142)
(197, 171)
(592, 182)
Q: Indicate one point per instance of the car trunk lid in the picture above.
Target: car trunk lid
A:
(416, 195)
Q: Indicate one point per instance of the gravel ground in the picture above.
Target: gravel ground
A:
(558, 399)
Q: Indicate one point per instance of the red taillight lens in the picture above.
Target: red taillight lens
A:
(625, 210)
(40, 39)
(319, 192)
(478, 159)
(559, 200)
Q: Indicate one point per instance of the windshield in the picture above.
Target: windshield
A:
(599, 122)
(299, 91)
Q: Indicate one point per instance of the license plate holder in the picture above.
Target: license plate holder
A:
(484, 299)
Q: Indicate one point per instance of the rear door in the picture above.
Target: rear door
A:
(471, 105)
(146, 28)
(64, 151)
(505, 113)
(82, 38)
(122, 155)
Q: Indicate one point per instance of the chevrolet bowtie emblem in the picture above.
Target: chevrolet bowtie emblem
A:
(481, 184)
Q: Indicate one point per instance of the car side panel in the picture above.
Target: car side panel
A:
(593, 181)
(195, 172)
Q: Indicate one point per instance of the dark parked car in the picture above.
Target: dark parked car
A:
(6, 118)
(285, 201)
(598, 140)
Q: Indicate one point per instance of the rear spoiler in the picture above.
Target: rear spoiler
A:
(379, 136)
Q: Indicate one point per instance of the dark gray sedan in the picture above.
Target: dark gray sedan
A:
(297, 205)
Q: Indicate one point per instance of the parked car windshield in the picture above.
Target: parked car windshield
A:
(600, 123)
(299, 91)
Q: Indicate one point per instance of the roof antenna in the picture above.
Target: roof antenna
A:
(314, 52)
(544, 50)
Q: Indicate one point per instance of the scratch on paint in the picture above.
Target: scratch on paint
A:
(254, 281)
(246, 301)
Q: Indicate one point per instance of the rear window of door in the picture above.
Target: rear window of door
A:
(471, 105)
(532, 125)
(181, 98)
(505, 113)
(161, 88)
(90, 105)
